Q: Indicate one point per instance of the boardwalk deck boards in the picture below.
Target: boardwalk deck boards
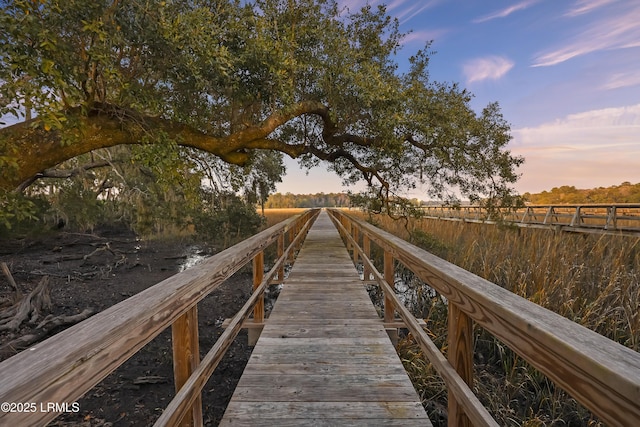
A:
(324, 357)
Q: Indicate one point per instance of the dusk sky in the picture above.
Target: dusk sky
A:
(565, 73)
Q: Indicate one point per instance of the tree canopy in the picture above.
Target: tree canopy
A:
(240, 81)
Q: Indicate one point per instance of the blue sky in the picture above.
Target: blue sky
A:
(565, 73)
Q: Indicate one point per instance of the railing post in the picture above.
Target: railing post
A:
(280, 253)
(389, 311)
(347, 226)
(186, 358)
(356, 256)
(258, 310)
(576, 221)
(460, 355)
(366, 248)
(611, 223)
(292, 252)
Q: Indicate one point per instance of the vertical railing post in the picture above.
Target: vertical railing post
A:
(186, 358)
(366, 249)
(460, 355)
(280, 253)
(258, 309)
(356, 256)
(346, 223)
(389, 311)
(292, 249)
(611, 223)
(576, 220)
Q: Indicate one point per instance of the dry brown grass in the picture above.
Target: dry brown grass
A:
(274, 216)
(591, 279)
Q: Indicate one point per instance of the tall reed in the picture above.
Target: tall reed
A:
(593, 280)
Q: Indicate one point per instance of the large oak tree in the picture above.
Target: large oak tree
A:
(301, 77)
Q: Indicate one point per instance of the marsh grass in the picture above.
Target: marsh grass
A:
(276, 215)
(591, 279)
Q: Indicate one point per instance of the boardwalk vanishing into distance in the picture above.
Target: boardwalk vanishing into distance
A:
(324, 357)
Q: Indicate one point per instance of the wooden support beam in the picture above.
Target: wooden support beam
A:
(611, 223)
(356, 256)
(280, 253)
(292, 252)
(248, 324)
(389, 277)
(366, 249)
(186, 358)
(258, 310)
(460, 356)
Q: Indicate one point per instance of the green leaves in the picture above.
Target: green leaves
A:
(217, 74)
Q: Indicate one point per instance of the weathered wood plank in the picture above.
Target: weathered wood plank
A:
(324, 357)
(338, 367)
(327, 410)
(316, 391)
(332, 331)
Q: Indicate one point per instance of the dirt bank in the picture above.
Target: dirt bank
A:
(95, 271)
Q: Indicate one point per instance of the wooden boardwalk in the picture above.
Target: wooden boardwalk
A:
(324, 357)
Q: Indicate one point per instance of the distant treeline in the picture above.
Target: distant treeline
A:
(623, 193)
(318, 200)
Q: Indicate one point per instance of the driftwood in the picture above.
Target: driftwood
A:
(42, 330)
(28, 308)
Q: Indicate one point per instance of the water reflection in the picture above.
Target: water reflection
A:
(194, 255)
(414, 294)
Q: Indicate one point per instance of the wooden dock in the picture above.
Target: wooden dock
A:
(324, 357)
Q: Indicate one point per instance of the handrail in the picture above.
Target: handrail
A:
(187, 395)
(67, 365)
(472, 406)
(601, 374)
(619, 219)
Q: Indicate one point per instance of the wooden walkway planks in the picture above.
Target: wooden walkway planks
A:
(324, 357)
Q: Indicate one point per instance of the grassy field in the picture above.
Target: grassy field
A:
(590, 279)
(274, 216)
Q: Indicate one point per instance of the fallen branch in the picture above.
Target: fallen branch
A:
(42, 330)
(50, 322)
(29, 307)
(106, 247)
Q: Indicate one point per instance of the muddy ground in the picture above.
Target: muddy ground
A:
(105, 267)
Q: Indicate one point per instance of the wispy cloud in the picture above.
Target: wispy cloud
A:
(412, 9)
(507, 11)
(620, 80)
(588, 149)
(617, 31)
(585, 6)
(603, 119)
(490, 67)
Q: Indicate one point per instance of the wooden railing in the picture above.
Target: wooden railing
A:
(622, 219)
(601, 374)
(67, 365)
